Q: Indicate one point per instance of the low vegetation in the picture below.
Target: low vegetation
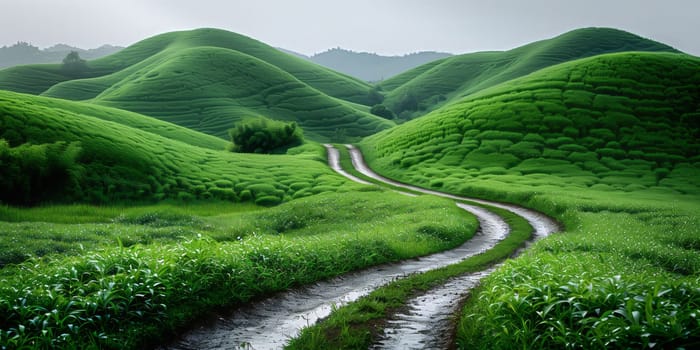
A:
(359, 324)
(608, 145)
(440, 82)
(262, 135)
(111, 295)
(170, 77)
(623, 276)
(121, 163)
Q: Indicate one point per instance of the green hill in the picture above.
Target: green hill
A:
(209, 89)
(437, 83)
(627, 122)
(207, 79)
(67, 151)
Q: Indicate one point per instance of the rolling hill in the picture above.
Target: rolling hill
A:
(206, 80)
(615, 122)
(438, 83)
(69, 151)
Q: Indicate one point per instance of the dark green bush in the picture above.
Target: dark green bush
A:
(32, 173)
(381, 111)
(263, 135)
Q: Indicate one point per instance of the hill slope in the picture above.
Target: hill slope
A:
(209, 89)
(370, 66)
(628, 121)
(427, 87)
(207, 80)
(325, 80)
(61, 154)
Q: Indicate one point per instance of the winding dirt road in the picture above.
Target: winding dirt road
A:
(271, 322)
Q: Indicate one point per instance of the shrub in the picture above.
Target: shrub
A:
(381, 111)
(32, 173)
(263, 135)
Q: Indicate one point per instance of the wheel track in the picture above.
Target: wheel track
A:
(429, 317)
(271, 322)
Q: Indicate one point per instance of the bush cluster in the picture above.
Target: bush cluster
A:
(31, 173)
(264, 136)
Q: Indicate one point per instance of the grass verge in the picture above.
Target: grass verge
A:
(356, 325)
(112, 296)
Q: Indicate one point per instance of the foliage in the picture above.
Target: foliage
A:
(114, 296)
(32, 173)
(125, 164)
(381, 111)
(73, 64)
(617, 280)
(262, 135)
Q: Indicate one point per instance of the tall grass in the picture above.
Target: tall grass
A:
(113, 296)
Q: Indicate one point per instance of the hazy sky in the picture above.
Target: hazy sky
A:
(382, 26)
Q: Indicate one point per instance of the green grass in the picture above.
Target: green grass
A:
(618, 122)
(122, 163)
(625, 279)
(447, 80)
(609, 146)
(358, 324)
(113, 296)
(208, 79)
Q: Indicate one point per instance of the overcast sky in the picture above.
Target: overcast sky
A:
(381, 26)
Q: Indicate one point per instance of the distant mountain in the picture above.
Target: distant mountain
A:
(25, 53)
(370, 66)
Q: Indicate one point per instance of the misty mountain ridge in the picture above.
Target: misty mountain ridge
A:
(367, 66)
(26, 53)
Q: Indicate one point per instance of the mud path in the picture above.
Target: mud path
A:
(429, 318)
(270, 323)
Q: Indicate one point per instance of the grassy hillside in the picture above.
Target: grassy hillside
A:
(208, 79)
(612, 122)
(325, 80)
(130, 119)
(209, 89)
(610, 146)
(437, 83)
(116, 162)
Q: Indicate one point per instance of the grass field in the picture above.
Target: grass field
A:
(150, 270)
(437, 83)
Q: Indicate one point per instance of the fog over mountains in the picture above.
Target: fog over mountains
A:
(26, 53)
(367, 66)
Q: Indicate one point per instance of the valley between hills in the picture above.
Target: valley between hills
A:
(166, 195)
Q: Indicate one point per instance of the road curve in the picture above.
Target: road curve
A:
(271, 322)
(428, 318)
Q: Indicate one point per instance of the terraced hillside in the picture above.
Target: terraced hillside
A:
(208, 79)
(434, 84)
(609, 145)
(69, 151)
(626, 121)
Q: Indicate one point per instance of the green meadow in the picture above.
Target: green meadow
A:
(609, 146)
(125, 216)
